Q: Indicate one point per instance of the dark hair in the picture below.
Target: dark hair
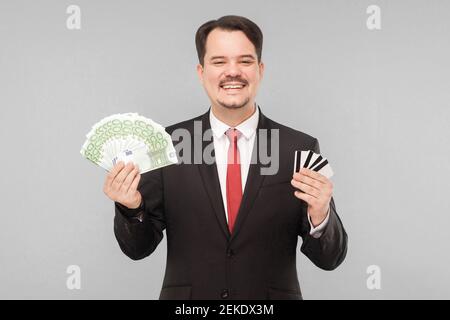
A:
(230, 23)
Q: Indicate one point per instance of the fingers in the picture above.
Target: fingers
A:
(121, 184)
(113, 173)
(316, 184)
(306, 188)
(307, 183)
(313, 184)
(134, 184)
(313, 179)
(310, 200)
(313, 175)
(129, 180)
(121, 176)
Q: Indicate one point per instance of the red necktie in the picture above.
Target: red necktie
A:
(234, 184)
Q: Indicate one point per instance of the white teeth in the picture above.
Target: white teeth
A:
(233, 87)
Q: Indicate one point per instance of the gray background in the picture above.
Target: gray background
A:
(377, 101)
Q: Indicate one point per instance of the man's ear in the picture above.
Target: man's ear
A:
(261, 69)
(200, 72)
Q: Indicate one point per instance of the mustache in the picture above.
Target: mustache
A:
(234, 79)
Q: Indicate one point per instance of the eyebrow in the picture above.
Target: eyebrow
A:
(242, 56)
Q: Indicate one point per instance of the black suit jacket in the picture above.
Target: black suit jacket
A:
(205, 261)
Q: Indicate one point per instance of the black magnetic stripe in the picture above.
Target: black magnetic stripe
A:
(319, 158)
(297, 164)
(308, 159)
(320, 166)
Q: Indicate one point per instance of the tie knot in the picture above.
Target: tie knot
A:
(233, 134)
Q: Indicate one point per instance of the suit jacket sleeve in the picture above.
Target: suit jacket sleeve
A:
(329, 250)
(139, 231)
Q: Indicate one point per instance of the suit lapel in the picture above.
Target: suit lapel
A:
(210, 178)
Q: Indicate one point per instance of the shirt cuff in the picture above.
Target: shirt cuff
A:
(316, 232)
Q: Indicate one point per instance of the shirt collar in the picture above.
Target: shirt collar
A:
(247, 128)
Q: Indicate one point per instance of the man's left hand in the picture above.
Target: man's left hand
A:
(317, 192)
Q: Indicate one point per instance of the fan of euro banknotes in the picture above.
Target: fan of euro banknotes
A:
(129, 137)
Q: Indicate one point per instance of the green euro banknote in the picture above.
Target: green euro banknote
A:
(129, 137)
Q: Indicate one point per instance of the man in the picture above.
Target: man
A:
(231, 231)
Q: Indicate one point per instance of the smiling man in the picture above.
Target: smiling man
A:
(230, 70)
(232, 232)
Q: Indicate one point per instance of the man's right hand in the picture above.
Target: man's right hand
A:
(121, 185)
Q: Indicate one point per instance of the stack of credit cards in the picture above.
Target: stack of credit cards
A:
(313, 161)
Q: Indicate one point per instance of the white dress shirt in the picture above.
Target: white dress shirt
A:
(245, 145)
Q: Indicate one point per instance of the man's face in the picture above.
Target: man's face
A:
(231, 73)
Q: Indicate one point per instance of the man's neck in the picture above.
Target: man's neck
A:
(233, 117)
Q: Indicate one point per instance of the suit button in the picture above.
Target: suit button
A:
(224, 294)
(230, 253)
